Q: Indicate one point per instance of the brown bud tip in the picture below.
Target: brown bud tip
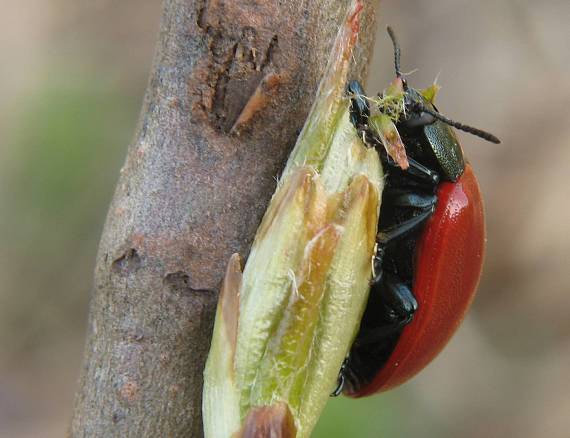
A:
(229, 297)
(274, 421)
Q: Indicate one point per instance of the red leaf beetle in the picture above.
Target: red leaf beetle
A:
(430, 246)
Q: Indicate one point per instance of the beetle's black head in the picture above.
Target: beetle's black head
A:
(431, 140)
(415, 105)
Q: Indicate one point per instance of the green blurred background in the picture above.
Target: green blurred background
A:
(72, 78)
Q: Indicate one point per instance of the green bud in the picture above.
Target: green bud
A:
(284, 326)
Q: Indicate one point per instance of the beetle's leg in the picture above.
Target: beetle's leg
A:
(377, 265)
(399, 300)
(420, 171)
(341, 380)
(405, 198)
(403, 228)
(424, 202)
(399, 307)
(347, 376)
(417, 171)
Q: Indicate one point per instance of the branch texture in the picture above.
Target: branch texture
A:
(231, 85)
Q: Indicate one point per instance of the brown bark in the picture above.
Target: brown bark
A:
(231, 85)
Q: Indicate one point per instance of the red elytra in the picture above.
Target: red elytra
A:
(449, 258)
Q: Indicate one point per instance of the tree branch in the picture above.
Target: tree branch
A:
(231, 85)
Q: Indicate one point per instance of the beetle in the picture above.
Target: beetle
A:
(430, 245)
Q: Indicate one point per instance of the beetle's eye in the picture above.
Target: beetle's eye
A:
(417, 119)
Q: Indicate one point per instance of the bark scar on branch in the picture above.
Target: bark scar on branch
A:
(242, 66)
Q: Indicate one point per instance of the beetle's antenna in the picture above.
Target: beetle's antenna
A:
(396, 50)
(471, 130)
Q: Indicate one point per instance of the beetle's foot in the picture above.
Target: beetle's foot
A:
(340, 379)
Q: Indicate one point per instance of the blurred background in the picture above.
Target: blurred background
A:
(72, 79)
